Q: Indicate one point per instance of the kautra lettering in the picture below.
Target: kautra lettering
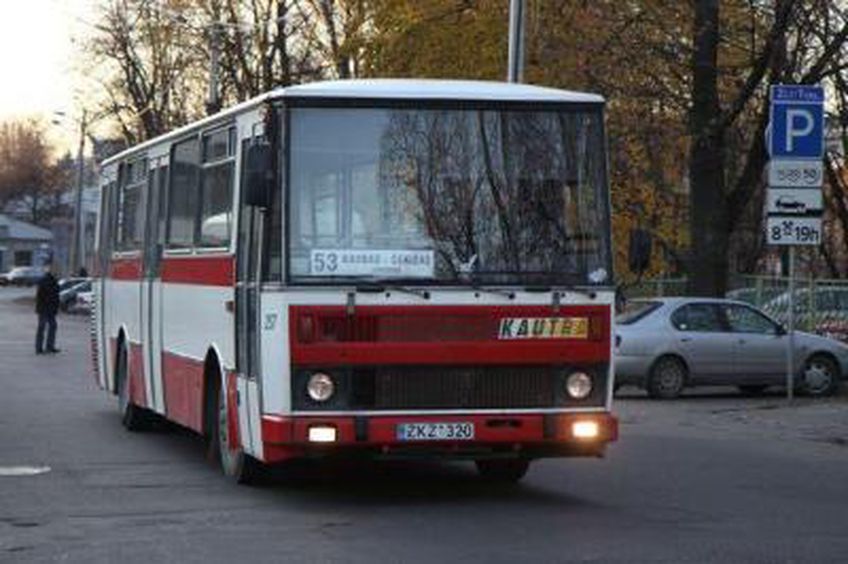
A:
(544, 328)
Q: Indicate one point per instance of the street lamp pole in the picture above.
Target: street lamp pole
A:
(77, 258)
(213, 102)
(515, 73)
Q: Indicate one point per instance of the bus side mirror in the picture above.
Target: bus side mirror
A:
(260, 175)
(639, 251)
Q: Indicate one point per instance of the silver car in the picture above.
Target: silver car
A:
(667, 344)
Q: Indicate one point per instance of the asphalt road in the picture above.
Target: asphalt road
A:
(711, 478)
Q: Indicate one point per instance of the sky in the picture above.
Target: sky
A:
(39, 61)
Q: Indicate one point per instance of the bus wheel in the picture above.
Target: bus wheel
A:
(506, 471)
(133, 417)
(235, 463)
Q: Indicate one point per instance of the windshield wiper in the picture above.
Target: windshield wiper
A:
(378, 286)
(557, 294)
(494, 291)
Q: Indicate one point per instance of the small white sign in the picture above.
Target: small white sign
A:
(372, 262)
(794, 201)
(794, 231)
(793, 173)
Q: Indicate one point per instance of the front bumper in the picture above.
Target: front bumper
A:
(536, 435)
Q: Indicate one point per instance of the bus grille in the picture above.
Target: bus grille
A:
(428, 388)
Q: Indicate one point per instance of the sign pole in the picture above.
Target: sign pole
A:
(790, 347)
(794, 200)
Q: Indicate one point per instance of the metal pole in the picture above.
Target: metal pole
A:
(213, 103)
(515, 72)
(77, 240)
(790, 349)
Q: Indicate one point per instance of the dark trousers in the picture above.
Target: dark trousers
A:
(50, 322)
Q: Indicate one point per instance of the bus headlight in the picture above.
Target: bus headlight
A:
(579, 385)
(320, 387)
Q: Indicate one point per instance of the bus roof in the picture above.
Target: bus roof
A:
(388, 89)
(423, 89)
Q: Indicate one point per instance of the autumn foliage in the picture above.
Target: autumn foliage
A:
(686, 85)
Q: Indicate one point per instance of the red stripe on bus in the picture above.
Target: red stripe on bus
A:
(183, 387)
(202, 270)
(125, 268)
(431, 335)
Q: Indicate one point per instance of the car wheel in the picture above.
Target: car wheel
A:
(133, 417)
(668, 378)
(506, 471)
(820, 376)
(235, 463)
(752, 390)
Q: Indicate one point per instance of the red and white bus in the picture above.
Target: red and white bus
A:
(394, 268)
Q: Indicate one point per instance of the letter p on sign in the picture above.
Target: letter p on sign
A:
(799, 125)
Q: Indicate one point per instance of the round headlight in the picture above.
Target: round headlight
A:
(320, 387)
(579, 385)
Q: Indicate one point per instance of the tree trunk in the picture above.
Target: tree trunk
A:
(708, 228)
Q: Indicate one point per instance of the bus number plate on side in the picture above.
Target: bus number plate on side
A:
(462, 431)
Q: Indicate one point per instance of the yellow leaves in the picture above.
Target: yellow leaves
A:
(439, 38)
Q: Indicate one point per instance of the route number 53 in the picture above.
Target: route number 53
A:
(324, 262)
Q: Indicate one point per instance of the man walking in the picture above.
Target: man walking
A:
(46, 306)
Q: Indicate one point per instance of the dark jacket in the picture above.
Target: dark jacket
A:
(47, 296)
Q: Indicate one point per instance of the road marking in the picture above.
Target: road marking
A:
(23, 470)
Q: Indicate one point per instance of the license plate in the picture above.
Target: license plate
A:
(462, 431)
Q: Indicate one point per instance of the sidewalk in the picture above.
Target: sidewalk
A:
(722, 410)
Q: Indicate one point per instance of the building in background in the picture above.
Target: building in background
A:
(62, 227)
(23, 244)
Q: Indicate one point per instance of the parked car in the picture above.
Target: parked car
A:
(833, 329)
(83, 303)
(816, 311)
(666, 345)
(66, 283)
(68, 296)
(22, 276)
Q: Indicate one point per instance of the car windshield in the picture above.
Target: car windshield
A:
(448, 196)
(635, 311)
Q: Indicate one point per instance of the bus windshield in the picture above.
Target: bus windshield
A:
(500, 195)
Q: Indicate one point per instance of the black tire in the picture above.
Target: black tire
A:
(503, 471)
(133, 417)
(752, 390)
(819, 377)
(234, 462)
(668, 378)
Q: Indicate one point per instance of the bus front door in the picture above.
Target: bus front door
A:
(151, 284)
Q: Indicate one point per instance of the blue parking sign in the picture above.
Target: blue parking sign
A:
(797, 122)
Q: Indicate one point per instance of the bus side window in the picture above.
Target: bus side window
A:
(216, 193)
(131, 216)
(163, 205)
(183, 194)
(115, 211)
(104, 240)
